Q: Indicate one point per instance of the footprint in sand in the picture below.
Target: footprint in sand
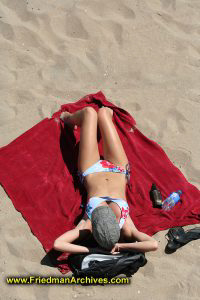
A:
(7, 31)
(173, 121)
(178, 118)
(135, 106)
(20, 9)
(75, 28)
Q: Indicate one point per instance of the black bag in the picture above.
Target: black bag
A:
(105, 266)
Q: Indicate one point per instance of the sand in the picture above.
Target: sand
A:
(145, 56)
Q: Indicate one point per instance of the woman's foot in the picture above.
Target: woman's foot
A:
(67, 119)
(75, 119)
(64, 116)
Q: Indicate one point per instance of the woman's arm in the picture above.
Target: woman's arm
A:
(142, 242)
(143, 245)
(64, 242)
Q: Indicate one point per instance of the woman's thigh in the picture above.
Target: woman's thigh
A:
(112, 145)
(88, 146)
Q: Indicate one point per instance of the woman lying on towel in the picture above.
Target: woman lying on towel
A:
(107, 212)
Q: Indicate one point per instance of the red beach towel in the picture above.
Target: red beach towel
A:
(38, 172)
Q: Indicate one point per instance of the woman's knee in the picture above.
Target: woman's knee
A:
(90, 112)
(104, 112)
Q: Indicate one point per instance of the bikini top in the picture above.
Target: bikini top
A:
(95, 201)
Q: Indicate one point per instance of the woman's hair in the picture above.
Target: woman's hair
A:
(105, 227)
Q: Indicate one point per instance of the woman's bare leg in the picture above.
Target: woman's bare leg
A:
(86, 118)
(112, 145)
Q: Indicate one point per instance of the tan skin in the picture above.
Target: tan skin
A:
(103, 183)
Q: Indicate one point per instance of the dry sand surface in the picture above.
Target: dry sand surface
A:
(145, 56)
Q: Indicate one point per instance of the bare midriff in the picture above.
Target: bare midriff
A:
(106, 184)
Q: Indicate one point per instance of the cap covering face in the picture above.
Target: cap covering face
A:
(105, 227)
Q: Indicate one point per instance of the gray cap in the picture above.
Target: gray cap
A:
(105, 227)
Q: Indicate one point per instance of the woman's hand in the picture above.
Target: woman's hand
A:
(115, 249)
